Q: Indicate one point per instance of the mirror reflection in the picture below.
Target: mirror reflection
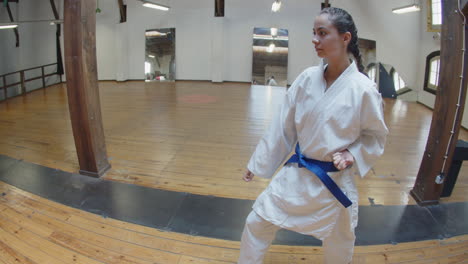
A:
(368, 51)
(389, 81)
(160, 54)
(270, 57)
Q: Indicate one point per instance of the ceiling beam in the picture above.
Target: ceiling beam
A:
(58, 33)
(54, 10)
(219, 8)
(12, 20)
(123, 11)
(325, 4)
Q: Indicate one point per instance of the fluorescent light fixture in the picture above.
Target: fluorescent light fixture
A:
(276, 6)
(406, 9)
(155, 33)
(268, 37)
(17, 23)
(8, 26)
(155, 6)
(151, 56)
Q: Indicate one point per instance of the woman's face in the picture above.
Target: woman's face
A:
(329, 43)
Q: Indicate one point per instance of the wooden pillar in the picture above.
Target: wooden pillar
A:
(446, 119)
(82, 86)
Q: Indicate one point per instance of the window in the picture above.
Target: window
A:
(147, 67)
(371, 72)
(431, 77)
(434, 16)
(398, 81)
(434, 73)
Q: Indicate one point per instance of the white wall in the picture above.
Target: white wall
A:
(106, 23)
(193, 22)
(37, 40)
(397, 36)
(428, 45)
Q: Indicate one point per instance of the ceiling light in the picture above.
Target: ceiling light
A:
(156, 6)
(406, 9)
(276, 6)
(9, 26)
(151, 56)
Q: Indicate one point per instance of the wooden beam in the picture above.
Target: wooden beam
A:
(58, 34)
(123, 11)
(464, 7)
(325, 4)
(446, 119)
(54, 9)
(82, 86)
(219, 8)
(12, 20)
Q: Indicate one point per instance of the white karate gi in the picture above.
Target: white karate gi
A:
(347, 115)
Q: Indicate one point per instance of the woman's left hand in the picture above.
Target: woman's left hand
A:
(343, 159)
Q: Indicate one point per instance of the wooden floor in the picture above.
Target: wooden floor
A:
(190, 137)
(197, 137)
(36, 230)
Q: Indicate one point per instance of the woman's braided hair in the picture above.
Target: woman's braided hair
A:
(344, 22)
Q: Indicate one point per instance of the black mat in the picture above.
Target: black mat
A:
(216, 217)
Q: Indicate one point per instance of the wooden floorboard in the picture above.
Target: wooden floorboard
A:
(36, 230)
(198, 136)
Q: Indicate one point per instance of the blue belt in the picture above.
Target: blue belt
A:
(320, 168)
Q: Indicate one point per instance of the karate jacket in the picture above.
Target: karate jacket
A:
(347, 115)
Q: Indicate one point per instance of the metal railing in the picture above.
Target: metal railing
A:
(23, 81)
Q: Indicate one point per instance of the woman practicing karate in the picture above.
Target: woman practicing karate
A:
(332, 116)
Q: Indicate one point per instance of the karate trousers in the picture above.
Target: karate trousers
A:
(258, 234)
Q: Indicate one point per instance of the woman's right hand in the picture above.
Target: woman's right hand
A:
(248, 175)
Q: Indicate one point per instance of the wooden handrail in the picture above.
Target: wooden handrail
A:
(10, 73)
(23, 80)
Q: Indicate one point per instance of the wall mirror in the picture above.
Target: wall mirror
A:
(270, 57)
(160, 54)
